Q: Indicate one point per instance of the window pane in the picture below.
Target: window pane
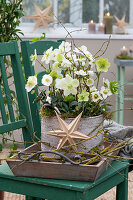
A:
(90, 10)
(64, 11)
(117, 8)
(29, 9)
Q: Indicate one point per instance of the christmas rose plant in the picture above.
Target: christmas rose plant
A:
(72, 82)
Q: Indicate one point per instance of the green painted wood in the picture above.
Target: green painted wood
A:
(122, 188)
(29, 71)
(123, 62)
(7, 49)
(25, 122)
(128, 82)
(58, 189)
(128, 99)
(28, 48)
(40, 46)
(120, 98)
(7, 90)
(2, 108)
(128, 95)
(13, 126)
(81, 186)
(23, 105)
(22, 96)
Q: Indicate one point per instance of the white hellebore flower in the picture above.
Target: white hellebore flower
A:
(105, 92)
(93, 89)
(81, 73)
(48, 99)
(90, 73)
(31, 83)
(89, 82)
(96, 96)
(33, 58)
(68, 84)
(81, 50)
(106, 83)
(66, 63)
(47, 80)
(92, 61)
(65, 47)
(48, 56)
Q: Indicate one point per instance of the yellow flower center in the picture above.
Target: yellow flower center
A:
(30, 83)
(89, 81)
(105, 91)
(47, 80)
(70, 86)
(95, 96)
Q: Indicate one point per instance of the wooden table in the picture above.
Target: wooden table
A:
(115, 175)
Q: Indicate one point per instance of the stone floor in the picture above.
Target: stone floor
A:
(110, 195)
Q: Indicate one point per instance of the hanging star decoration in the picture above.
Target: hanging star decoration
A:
(68, 133)
(41, 17)
(120, 23)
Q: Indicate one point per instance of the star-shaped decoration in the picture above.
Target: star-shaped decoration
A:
(68, 133)
(41, 17)
(120, 23)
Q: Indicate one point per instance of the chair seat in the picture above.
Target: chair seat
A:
(50, 187)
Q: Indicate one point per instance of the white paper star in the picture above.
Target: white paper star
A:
(42, 17)
(120, 23)
(68, 133)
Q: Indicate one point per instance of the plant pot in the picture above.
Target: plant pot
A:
(86, 125)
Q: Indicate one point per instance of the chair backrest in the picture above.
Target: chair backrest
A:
(28, 49)
(11, 123)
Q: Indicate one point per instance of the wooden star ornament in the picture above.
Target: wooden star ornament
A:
(68, 133)
(120, 23)
(41, 17)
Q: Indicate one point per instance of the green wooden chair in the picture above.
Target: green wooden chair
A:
(116, 174)
(11, 124)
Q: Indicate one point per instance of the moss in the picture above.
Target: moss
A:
(126, 57)
(47, 112)
(108, 115)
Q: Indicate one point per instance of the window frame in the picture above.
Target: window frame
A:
(101, 15)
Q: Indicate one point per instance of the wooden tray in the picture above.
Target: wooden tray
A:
(55, 170)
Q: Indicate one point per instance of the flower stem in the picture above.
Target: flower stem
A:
(38, 95)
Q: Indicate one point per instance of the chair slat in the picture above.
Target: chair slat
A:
(7, 90)
(28, 48)
(7, 49)
(23, 105)
(12, 126)
(42, 46)
(2, 108)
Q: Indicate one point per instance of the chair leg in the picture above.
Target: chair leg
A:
(122, 188)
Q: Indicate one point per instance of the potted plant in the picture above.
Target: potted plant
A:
(72, 89)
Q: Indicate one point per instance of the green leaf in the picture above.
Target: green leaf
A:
(1, 147)
(69, 98)
(4, 140)
(14, 147)
(73, 103)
